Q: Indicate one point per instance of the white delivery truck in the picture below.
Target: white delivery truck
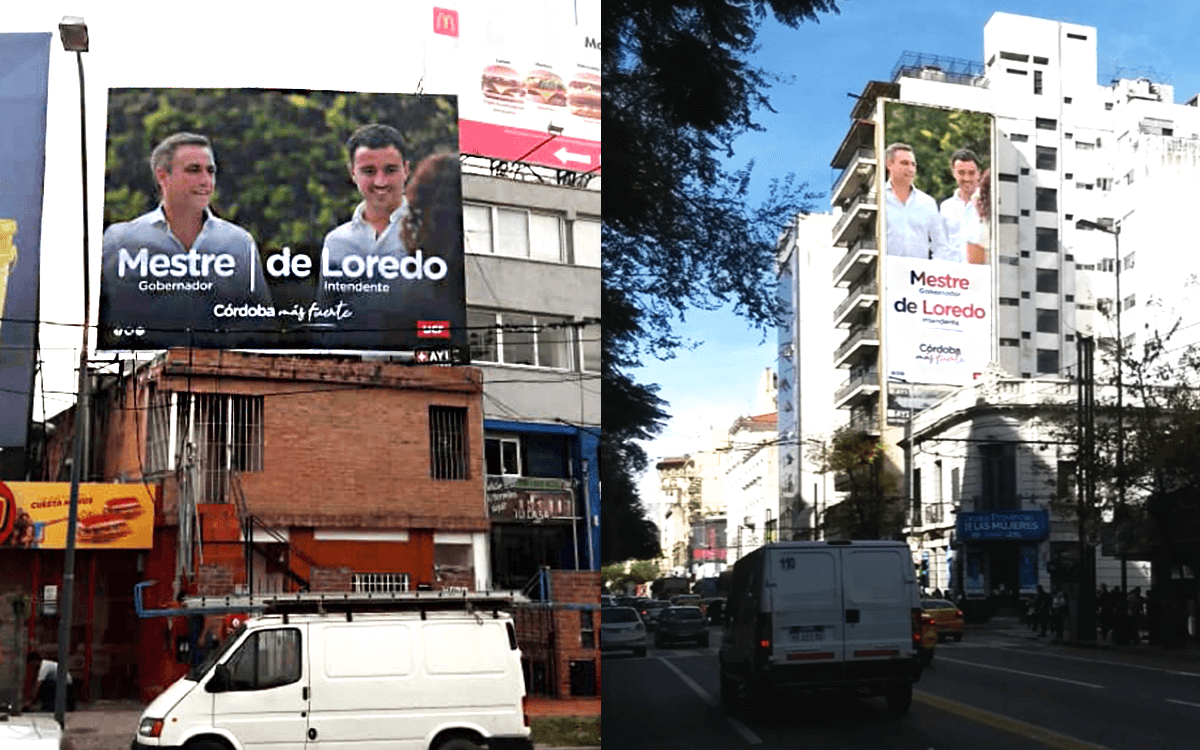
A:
(822, 616)
(417, 671)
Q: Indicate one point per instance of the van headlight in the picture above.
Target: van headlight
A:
(150, 728)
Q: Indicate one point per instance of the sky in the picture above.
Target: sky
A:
(371, 46)
(714, 382)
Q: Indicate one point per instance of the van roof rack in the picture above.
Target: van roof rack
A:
(358, 602)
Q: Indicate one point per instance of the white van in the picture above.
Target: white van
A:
(818, 616)
(431, 675)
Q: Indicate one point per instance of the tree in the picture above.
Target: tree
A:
(872, 509)
(679, 230)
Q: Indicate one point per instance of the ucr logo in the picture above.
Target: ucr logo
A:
(433, 329)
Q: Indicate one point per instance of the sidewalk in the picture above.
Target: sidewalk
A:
(1187, 657)
(111, 725)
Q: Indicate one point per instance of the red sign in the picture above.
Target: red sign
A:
(445, 22)
(708, 554)
(530, 146)
(433, 329)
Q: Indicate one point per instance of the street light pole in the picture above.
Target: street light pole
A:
(73, 32)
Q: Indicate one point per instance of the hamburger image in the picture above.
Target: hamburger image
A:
(584, 96)
(502, 83)
(124, 507)
(102, 528)
(546, 87)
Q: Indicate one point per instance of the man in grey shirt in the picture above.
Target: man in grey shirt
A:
(178, 275)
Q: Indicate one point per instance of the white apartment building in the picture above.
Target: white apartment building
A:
(751, 485)
(1091, 181)
(806, 260)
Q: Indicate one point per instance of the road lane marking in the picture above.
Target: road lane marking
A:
(1017, 671)
(1101, 661)
(1183, 703)
(707, 697)
(1047, 737)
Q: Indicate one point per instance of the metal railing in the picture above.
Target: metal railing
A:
(869, 377)
(856, 293)
(865, 200)
(860, 335)
(862, 248)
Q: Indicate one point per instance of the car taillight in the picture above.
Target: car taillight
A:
(916, 625)
(762, 632)
(525, 708)
(958, 613)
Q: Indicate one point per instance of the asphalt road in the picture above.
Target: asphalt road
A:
(989, 691)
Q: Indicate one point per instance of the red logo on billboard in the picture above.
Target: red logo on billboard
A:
(445, 21)
(433, 329)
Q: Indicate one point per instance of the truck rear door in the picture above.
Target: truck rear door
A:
(805, 606)
(878, 602)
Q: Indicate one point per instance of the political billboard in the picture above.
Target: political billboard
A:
(283, 219)
(24, 72)
(937, 267)
(519, 83)
(33, 515)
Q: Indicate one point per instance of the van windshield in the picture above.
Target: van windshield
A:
(199, 670)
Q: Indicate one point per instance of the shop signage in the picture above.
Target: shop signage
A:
(33, 515)
(530, 500)
(1003, 524)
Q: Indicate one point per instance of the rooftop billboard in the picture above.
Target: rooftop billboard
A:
(283, 219)
(24, 71)
(516, 80)
(937, 210)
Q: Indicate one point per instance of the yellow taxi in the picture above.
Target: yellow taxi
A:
(947, 615)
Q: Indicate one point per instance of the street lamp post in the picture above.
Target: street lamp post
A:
(1108, 226)
(74, 34)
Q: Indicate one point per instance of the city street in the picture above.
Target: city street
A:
(995, 689)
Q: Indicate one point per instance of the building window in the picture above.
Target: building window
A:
(916, 497)
(1047, 280)
(1010, 301)
(1018, 138)
(1130, 301)
(1047, 240)
(516, 233)
(1107, 265)
(587, 628)
(1084, 146)
(1047, 321)
(1009, 342)
(1066, 480)
(1108, 105)
(1024, 295)
(1069, 297)
(1067, 100)
(448, 442)
(999, 470)
(1047, 157)
(502, 456)
(586, 240)
(1014, 56)
(1045, 123)
(1080, 37)
(514, 338)
(215, 433)
(379, 583)
(1128, 264)
(1047, 361)
(1040, 60)
(1024, 171)
(1047, 199)
(1026, 335)
(589, 344)
(1037, 82)
(1006, 219)
(1016, 72)
(1024, 211)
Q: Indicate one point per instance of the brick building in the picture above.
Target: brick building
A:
(274, 473)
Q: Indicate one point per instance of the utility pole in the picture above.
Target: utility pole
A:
(1086, 485)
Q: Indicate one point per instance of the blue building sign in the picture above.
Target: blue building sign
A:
(1003, 524)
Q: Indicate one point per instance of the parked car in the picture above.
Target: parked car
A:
(947, 615)
(621, 629)
(650, 612)
(625, 600)
(607, 601)
(929, 639)
(677, 624)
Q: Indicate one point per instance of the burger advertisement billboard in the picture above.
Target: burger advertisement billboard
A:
(518, 82)
(937, 233)
(283, 219)
(33, 515)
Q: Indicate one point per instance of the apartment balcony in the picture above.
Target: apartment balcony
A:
(859, 174)
(863, 344)
(859, 299)
(862, 386)
(868, 423)
(857, 261)
(857, 215)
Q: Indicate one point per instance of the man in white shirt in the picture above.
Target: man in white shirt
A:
(45, 685)
(958, 211)
(914, 227)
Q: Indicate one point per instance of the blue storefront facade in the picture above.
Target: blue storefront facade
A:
(543, 496)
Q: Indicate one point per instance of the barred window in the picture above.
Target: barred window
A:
(448, 442)
(379, 583)
(160, 439)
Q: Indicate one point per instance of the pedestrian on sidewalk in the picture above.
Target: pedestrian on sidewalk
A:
(1059, 613)
(1041, 610)
(1104, 613)
(1137, 604)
